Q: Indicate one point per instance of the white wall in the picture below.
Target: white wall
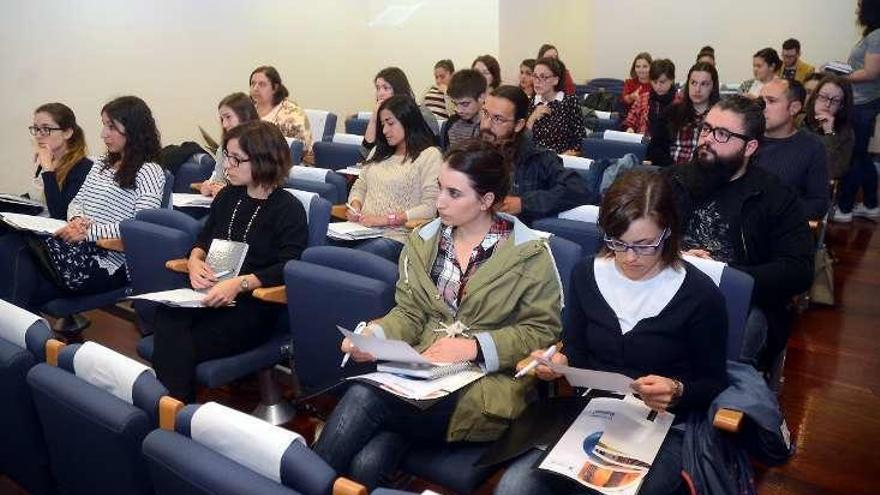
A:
(182, 56)
(736, 28)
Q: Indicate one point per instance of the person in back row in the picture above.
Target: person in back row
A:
(674, 134)
(648, 108)
(233, 110)
(436, 99)
(388, 82)
(555, 118)
(793, 67)
(734, 212)
(467, 89)
(488, 66)
(398, 182)
(765, 65)
(526, 76)
(273, 105)
(541, 186)
(549, 51)
(59, 156)
(639, 81)
(474, 269)
(795, 156)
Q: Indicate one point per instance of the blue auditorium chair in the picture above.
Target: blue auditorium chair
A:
(24, 456)
(356, 125)
(296, 150)
(213, 449)
(597, 148)
(322, 123)
(325, 182)
(335, 156)
(95, 408)
(197, 169)
(331, 286)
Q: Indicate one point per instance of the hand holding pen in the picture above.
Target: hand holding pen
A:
(543, 358)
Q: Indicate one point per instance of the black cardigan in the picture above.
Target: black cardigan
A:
(58, 199)
(279, 232)
(686, 341)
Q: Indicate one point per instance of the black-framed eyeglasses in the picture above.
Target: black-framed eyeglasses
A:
(233, 160)
(619, 246)
(828, 100)
(720, 134)
(496, 119)
(42, 130)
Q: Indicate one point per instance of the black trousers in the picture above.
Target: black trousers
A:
(185, 337)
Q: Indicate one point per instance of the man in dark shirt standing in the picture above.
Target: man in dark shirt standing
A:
(744, 216)
(541, 186)
(795, 156)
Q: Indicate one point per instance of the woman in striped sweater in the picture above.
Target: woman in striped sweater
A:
(124, 181)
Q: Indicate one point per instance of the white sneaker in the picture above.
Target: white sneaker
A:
(841, 217)
(860, 210)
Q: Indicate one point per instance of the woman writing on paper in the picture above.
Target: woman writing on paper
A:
(233, 110)
(59, 156)
(125, 181)
(475, 285)
(254, 210)
(398, 182)
(638, 309)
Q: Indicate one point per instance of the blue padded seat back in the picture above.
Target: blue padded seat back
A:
(335, 156)
(737, 288)
(585, 234)
(597, 148)
(198, 168)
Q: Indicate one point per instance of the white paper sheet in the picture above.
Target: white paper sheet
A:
(12, 198)
(190, 200)
(602, 380)
(422, 389)
(385, 349)
(184, 298)
(351, 231)
(602, 115)
(33, 223)
(576, 162)
(583, 213)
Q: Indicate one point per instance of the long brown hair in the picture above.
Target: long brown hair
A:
(142, 140)
(844, 111)
(642, 193)
(242, 106)
(76, 150)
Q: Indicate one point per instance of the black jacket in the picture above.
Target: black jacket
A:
(776, 247)
(539, 179)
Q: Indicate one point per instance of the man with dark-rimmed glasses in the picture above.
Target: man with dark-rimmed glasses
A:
(742, 215)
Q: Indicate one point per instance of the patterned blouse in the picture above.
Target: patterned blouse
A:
(446, 272)
(293, 122)
(563, 128)
(685, 140)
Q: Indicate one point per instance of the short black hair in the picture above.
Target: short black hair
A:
(466, 83)
(751, 110)
(661, 67)
(279, 91)
(796, 91)
(395, 77)
(445, 64)
(529, 62)
(770, 56)
(517, 96)
(791, 44)
(556, 67)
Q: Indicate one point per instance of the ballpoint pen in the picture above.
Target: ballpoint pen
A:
(535, 362)
(357, 330)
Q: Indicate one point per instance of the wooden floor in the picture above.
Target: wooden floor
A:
(830, 395)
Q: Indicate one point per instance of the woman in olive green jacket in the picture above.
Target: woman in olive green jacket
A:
(507, 298)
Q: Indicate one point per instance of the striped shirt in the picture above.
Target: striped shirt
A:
(435, 101)
(105, 204)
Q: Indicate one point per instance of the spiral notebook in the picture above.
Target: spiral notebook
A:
(422, 371)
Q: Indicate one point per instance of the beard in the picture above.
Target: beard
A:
(714, 171)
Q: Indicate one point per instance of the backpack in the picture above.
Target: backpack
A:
(600, 100)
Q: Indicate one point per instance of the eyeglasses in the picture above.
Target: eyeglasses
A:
(496, 119)
(720, 134)
(828, 100)
(619, 246)
(233, 160)
(543, 77)
(42, 131)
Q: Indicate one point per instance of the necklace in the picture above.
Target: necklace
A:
(247, 227)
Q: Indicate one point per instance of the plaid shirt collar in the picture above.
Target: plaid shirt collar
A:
(446, 272)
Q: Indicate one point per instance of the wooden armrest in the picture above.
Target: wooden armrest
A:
(338, 211)
(178, 265)
(196, 186)
(345, 486)
(168, 409)
(277, 294)
(111, 244)
(728, 420)
(53, 348)
(418, 222)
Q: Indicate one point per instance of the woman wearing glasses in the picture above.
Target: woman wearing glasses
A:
(638, 309)
(555, 118)
(829, 109)
(252, 209)
(59, 156)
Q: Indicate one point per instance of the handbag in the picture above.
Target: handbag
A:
(822, 291)
(68, 265)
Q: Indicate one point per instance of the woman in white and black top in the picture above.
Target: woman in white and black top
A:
(252, 209)
(124, 181)
(638, 309)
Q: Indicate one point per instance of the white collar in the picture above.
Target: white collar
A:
(559, 96)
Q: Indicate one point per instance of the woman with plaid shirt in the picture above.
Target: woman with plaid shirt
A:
(474, 285)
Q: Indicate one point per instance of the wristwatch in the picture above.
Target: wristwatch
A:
(244, 284)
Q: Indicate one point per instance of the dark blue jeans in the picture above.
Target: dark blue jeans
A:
(862, 175)
(664, 478)
(380, 246)
(366, 416)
